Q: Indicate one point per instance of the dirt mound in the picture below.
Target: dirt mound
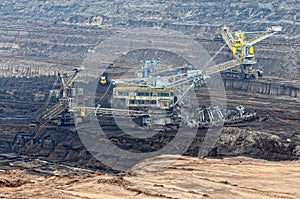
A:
(235, 141)
(13, 179)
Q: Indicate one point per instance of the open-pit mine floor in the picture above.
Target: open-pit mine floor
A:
(165, 177)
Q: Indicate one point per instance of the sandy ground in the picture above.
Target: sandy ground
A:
(165, 177)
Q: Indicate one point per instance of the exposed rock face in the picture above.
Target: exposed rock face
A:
(267, 87)
(62, 145)
(11, 70)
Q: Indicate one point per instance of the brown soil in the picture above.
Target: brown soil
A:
(165, 177)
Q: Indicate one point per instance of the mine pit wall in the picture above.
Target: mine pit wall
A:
(263, 87)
